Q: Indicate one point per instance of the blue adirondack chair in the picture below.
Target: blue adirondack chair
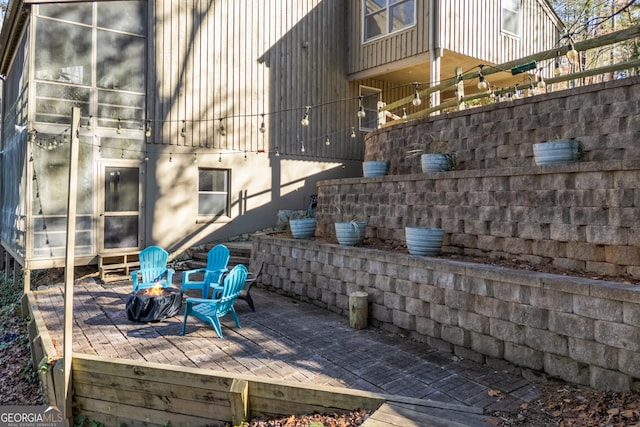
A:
(210, 310)
(217, 260)
(153, 269)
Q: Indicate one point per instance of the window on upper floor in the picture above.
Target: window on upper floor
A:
(213, 192)
(382, 17)
(511, 17)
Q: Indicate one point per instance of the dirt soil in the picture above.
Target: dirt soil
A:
(558, 404)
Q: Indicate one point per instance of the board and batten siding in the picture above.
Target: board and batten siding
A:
(474, 28)
(469, 27)
(238, 60)
(384, 50)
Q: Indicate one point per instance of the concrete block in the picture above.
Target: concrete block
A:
(476, 285)
(440, 345)
(404, 320)
(510, 292)
(606, 235)
(605, 379)
(545, 341)
(455, 335)
(617, 335)
(417, 307)
(597, 308)
(443, 314)
(593, 353)
(381, 313)
(523, 314)
(432, 294)
(421, 275)
(467, 353)
(473, 322)
(628, 363)
(506, 331)
(552, 300)
(428, 327)
(631, 313)
(394, 301)
(566, 369)
(571, 325)
(384, 283)
(459, 300)
(523, 356)
(487, 345)
(622, 255)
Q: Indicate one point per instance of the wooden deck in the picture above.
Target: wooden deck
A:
(286, 340)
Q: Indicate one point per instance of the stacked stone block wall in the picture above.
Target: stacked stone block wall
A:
(584, 331)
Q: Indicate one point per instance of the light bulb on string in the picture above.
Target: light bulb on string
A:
(220, 157)
(327, 141)
(404, 113)
(146, 156)
(147, 131)
(361, 112)
(119, 127)
(195, 158)
(572, 53)
(277, 153)
(122, 154)
(542, 85)
(245, 154)
(305, 118)
(416, 97)
(302, 149)
(263, 128)
(557, 71)
(482, 83)
(170, 157)
(89, 123)
(221, 129)
(183, 131)
(353, 132)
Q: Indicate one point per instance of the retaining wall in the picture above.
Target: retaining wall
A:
(581, 216)
(583, 331)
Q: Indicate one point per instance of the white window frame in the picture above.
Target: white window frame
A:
(227, 191)
(386, 10)
(507, 7)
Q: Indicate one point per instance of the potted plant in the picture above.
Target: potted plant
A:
(303, 227)
(349, 230)
(424, 241)
(435, 156)
(557, 151)
(371, 168)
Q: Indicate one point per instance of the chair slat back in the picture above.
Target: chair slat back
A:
(217, 259)
(233, 284)
(153, 263)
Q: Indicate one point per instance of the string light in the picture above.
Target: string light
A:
(170, 157)
(221, 129)
(361, 112)
(183, 132)
(557, 71)
(353, 132)
(119, 127)
(482, 83)
(327, 141)
(263, 128)
(195, 158)
(219, 157)
(305, 118)
(572, 53)
(89, 123)
(147, 131)
(302, 147)
(416, 97)
(404, 113)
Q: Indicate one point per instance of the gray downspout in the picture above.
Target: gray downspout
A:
(434, 50)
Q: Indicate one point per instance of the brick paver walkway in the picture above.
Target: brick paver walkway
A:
(284, 339)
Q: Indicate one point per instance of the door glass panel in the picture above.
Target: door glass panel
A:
(121, 189)
(121, 206)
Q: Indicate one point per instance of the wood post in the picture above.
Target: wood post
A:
(358, 310)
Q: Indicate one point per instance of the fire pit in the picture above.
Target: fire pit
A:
(153, 304)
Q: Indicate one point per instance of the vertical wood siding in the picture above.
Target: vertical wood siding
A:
(397, 46)
(238, 60)
(469, 27)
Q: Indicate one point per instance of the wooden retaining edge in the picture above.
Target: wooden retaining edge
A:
(44, 355)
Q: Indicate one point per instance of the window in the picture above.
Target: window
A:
(511, 17)
(370, 98)
(382, 17)
(213, 192)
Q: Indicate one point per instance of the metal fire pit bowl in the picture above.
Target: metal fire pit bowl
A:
(145, 306)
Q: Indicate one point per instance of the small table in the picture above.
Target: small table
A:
(153, 305)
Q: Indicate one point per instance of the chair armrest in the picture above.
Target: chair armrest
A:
(199, 300)
(134, 278)
(186, 274)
